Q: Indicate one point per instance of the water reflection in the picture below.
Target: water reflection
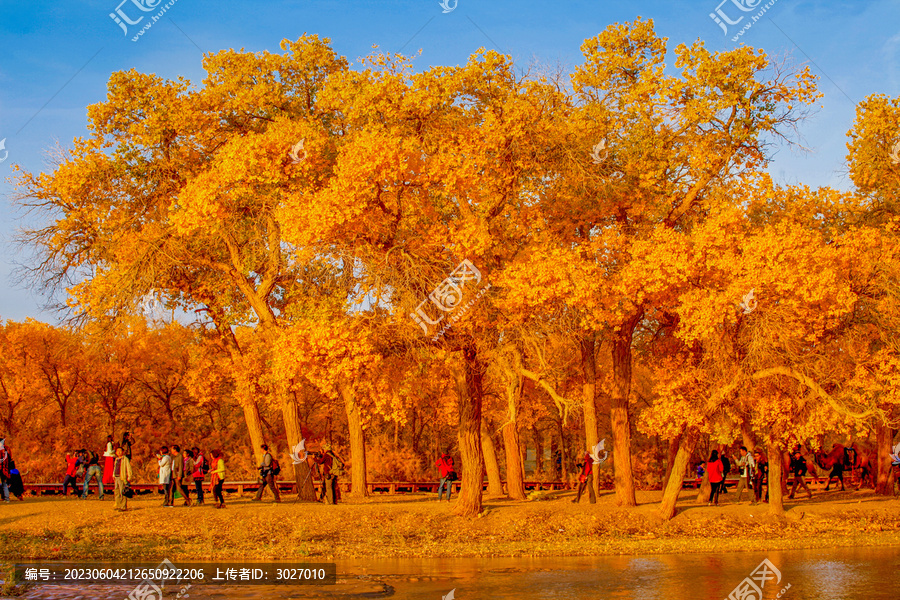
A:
(844, 574)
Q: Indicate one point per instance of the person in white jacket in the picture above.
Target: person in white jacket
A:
(164, 459)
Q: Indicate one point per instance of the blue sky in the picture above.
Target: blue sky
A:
(56, 57)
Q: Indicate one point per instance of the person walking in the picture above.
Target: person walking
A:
(93, 471)
(746, 467)
(798, 469)
(585, 480)
(5, 470)
(448, 475)
(164, 460)
(716, 477)
(759, 475)
(267, 475)
(188, 470)
(332, 466)
(217, 479)
(73, 461)
(199, 470)
(126, 445)
(178, 476)
(121, 477)
(109, 457)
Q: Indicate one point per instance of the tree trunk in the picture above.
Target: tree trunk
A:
(671, 456)
(358, 487)
(884, 439)
(470, 394)
(538, 452)
(292, 430)
(515, 471)
(705, 488)
(589, 399)
(515, 474)
(619, 417)
(747, 436)
(675, 479)
(495, 482)
(304, 486)
(776, 473)
(563, 449)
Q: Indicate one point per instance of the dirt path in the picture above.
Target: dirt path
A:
(419, 526)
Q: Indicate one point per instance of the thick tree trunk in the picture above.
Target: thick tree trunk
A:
(292, 428)
(883, 446)
(747, 436)
(705, 488)
(358, 483)
(495, 482)
(515, 472)
(675, 480)
(470, 394)
(304, 486)
(619, 417)
(776, 474)
(589, 398)
(515, 475)
(563, 449)
(671, 456)
(538, 452)
(254, 425)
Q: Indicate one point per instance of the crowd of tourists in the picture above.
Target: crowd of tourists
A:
(177, 469)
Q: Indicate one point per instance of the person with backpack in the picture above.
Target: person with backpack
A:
(759, 476)
(268, 469)
(747, 467)
(332, 466)
(448, 475)
(726, 469)
(201, 468)
(93, 471)
(716, 477)
(178, 476)
(585, 480)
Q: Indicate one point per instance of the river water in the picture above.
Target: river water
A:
(840, 574)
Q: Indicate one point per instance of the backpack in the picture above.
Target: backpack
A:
(275, 468)
(204, 468)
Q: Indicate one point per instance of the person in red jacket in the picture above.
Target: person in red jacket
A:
(585, 480)
(445, 464)
(72, 463)
(716, 471)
